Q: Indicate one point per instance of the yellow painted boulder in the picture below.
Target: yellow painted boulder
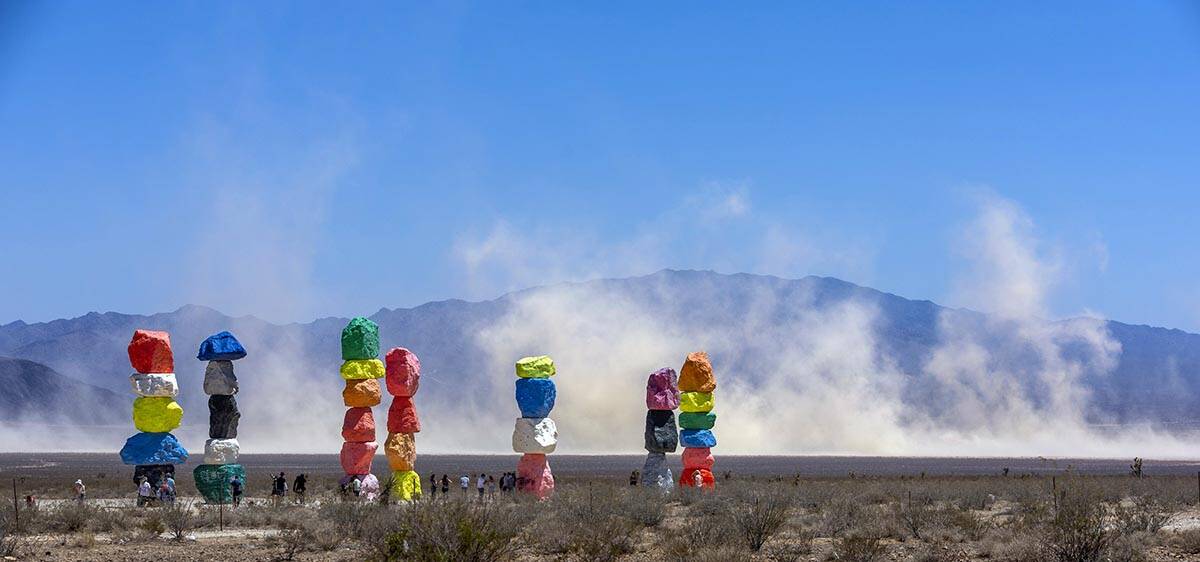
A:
(695, 401)
(156, 414)
(401, 451)
(406, 486)
(363, 369)
(539, 367)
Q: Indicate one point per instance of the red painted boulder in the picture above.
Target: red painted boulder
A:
(150, 352)
(698, 458)
(534, 476)
(358, 426)
(402, 416)
(356, 457)
(688, 478)
(403, 372)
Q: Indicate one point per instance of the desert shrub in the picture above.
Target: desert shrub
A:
(857, 548)
(152, 526)
(69, 517)
(460, 531)
(1187, 542)
(647, 508)
(797, 547)
(1143, 514)
(1130, 547)
(594, 526)
(759, 515)
(179, 518)
(1077, 532)
(290, 542)
(914, 515)
(839, 515)
(966, 521)
(941, 553)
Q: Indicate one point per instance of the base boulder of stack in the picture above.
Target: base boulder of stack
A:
(534, 476)
(688, 478)
(153, 473)
(406, 485)
(656, 473)
(212, 481)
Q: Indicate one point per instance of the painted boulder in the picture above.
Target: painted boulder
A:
(695, 401)
(219, 378)
(356, 369)
(360, 340)
(369, 487)
(406, 486)
(403, 372)
(539, 367)
(697, 420)
(362, 393)
(401, 451)
(402, 416)
(153, 448)
(697, 438)
(656, 473)
(156, 414)
(153, 473)
(662, 393)
(534, 435)
(661, 434)
(221, 346)
(698, 457)
(534, 476)
(535, 397)
(688, 478)
(223, 416)
(212, 481)
(221, 451)
(154, 384)
(356, 457)
(150, 352)
(358, 426)
(697, 374)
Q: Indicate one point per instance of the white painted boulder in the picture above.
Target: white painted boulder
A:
(154, 384)
(534, 435)
(221, 451)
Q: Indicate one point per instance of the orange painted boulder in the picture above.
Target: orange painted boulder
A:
(697, 374)
(150, 352)
(358, 425)
(362, 393)
(401, 451)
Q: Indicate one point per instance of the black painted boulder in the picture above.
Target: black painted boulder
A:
(223, 417)
(661, 434)
(152, 472)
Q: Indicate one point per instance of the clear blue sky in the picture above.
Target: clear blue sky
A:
(293, 160)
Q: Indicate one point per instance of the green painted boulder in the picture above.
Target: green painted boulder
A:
(212, 481)
(360, 340)
(697, 420)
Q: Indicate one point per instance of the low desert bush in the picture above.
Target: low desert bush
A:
(1143, 514)
(1187, 542)
(758, 516)
(857, 548)
(179, 519)
(461, 531)
(1078, 533)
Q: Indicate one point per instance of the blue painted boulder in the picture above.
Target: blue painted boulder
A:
(535, 397)
(221, 346)
(153, 448)
(697, 438)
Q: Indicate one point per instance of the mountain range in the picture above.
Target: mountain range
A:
(1155, 377)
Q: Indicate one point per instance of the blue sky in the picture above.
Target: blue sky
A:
(293, 160)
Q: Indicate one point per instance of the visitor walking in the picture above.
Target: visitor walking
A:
(145, 493)
(445, 485)
(80, 491)
(464, 483)
(491, 484)
(164, 493)
(356, 487)
(633, 478)
(279, 489)
(299, 486)
(235, 490)
(480, 483)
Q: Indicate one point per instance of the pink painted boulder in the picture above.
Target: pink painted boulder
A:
(662, 391)
(359, 425)
(402, 416)
(403, 372)
(698, 458)
(150, 352)
(356, 457)
(534, 476)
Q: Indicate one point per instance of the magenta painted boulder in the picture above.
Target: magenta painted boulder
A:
(359, 425)
(356, 457)
(698, 458)
(534, 476)
(403, 372)
(662, 390)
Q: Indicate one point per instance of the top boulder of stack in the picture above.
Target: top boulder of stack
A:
(150, 352)
(360, 339)
(539, 367)
(697, 374)
(221, 346)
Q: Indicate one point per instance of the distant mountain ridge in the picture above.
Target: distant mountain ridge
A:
(1157, 377)
(33, 391)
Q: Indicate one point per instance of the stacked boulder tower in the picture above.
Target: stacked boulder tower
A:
(403, 378)
(662, 435)
(221, 450)
(696, 418)
(154, 451)
(535, 434)
(361, 369)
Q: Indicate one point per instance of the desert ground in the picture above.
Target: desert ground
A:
(765, 508)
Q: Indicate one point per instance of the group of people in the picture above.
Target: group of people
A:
(279, 488)
(485, 484)
(148, 493)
